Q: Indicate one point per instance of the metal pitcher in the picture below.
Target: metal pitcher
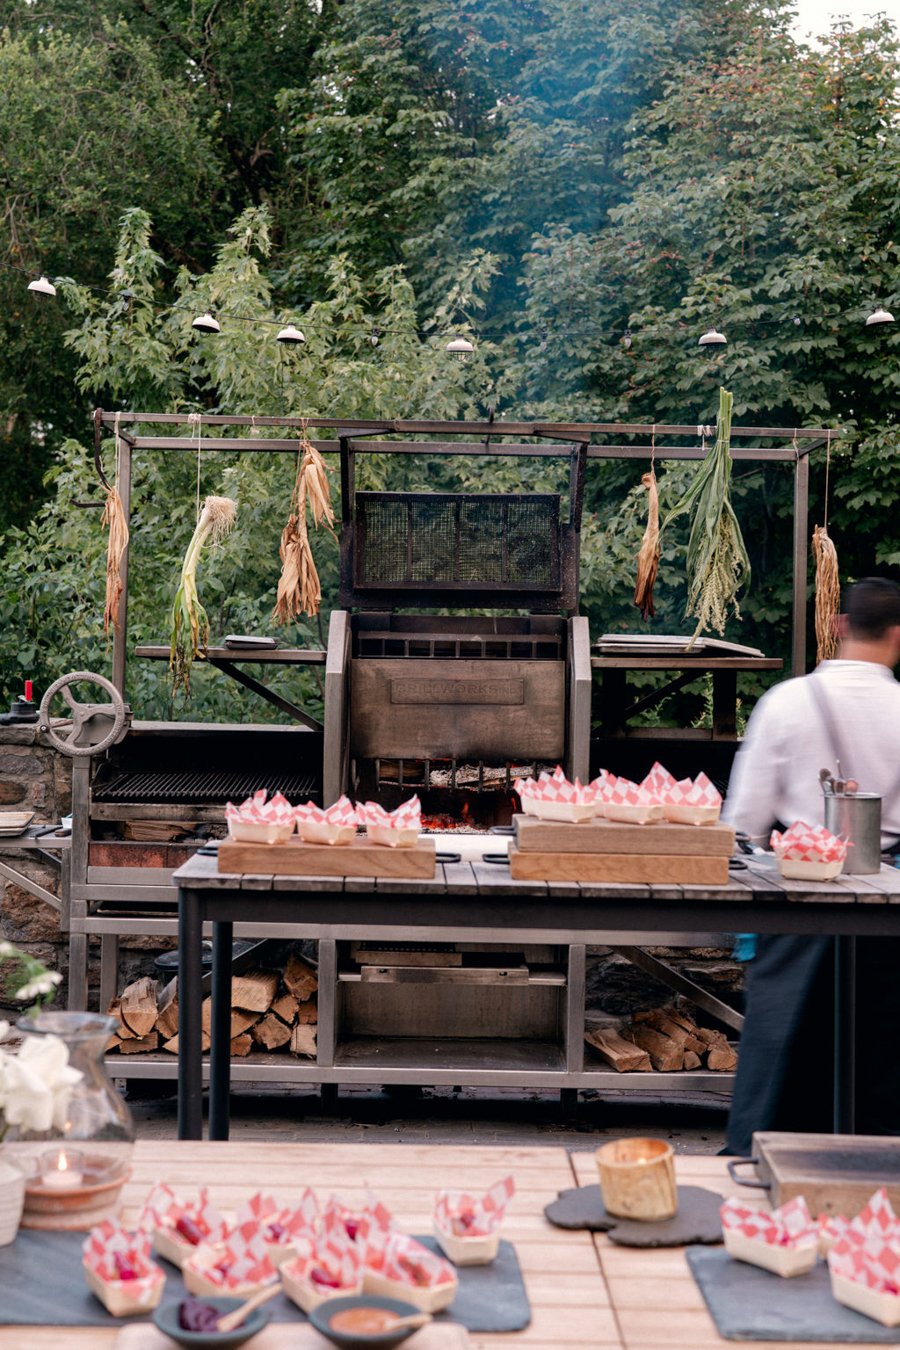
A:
(856, 816)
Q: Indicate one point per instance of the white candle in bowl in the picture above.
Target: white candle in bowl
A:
(62, 1171)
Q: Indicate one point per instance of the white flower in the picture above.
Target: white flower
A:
(36, 1084)
(40, 985)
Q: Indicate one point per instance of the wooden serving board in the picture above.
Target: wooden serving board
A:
(608, 836)
(297, 1336)
(837, 1173)
(360, 858)
(637, 869)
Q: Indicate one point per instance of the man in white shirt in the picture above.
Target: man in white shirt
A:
(847, 710)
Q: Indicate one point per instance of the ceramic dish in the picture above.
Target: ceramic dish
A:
(801, 870)
(874, 1303)
(357, 1340)
(576, 813)
(784, 1261)
(166, 1319)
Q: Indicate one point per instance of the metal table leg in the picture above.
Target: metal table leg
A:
(190, 1005)
(220, 1032)
(845, 1035)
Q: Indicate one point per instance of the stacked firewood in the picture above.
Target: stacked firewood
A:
(664, 1039)
(269, 1011)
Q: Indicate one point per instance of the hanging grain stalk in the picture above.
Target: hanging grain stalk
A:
(299, 591)
(190, 625)
(648, 557)
(828, 594)
(717, 562)
(113, 519)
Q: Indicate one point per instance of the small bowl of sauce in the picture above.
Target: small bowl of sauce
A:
(363, 1320)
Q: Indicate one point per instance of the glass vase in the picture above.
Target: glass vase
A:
(95, 1112)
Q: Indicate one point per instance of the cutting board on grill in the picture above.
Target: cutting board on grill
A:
(628, 868)
(609, 836)
(356, 859)
(836, 1173)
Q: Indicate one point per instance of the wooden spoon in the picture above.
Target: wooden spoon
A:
(419, 1319)
(231, 1321)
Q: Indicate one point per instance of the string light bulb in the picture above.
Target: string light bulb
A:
(712, 338)
(42, 286)
(459, 347)
(207, 323)
(879, 316)
(291, 336)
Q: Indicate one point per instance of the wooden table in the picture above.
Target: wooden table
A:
(476, 902)
(584, 1291)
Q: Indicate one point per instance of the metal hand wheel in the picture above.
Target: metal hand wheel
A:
(83, 713)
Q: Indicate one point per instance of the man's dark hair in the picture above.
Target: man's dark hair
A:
(872, 607)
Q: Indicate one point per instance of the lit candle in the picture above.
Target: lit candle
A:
(29, 689)
(62, 1171)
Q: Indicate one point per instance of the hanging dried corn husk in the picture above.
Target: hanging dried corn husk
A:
(299, 591)
(190, 625)
(113, 519)
(828, 594)
(648, 557)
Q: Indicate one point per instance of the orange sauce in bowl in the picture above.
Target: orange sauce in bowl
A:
(363, 1321)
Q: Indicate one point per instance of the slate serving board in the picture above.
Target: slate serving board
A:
(43, 1285)
(697, 1219)
(750, 1304)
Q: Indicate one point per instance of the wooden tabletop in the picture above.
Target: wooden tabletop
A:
(755, 881)
(584, 1290)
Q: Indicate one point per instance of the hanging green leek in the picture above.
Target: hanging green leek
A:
(717, 562)
(190, 625)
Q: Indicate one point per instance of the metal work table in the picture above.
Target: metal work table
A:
(480, 903)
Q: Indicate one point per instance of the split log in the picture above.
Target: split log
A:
(254, 991)
(286, 1008)
(720, 1054)
(123, 1031)
(167, 1010)
(136, 1045)
(137, 1006)
(666, 1055)
(308, 1012)
(171, 1046)
(692, 1060)
(242, 1021)
(300, 979)
(270, 1032)
(624, 1056)
(680, 1029)
(241, 1045)
(303, 1040)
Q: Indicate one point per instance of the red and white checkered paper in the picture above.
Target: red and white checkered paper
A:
(330, 1252)
(877, 1266)
(163, 1208)
(790, 1226)
(374, 1227)
(603, 784)
(875, 1223)
(699, 792)
(555, 787)
(278, 1222)
(808, 843)
(257, 811)
(408, 815)
(109, 1250)
(659, 781)
(407, 1261)
(342, 812)
(625, 793)
(245, 1259)
(466, 1215)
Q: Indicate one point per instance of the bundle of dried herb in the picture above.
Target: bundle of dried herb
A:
(828, 594)
(299, 591)
(190, 625)
(648, 557)
(717, 562)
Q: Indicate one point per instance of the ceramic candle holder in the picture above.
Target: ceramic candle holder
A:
(637, 1179)
(53, 1204)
